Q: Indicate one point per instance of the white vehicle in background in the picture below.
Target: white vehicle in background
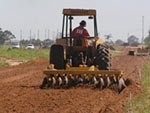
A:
(30, 46)
(15, 46)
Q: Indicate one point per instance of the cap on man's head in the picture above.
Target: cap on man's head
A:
(83, 23)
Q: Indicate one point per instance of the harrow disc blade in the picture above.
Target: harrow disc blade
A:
(65, 81)
(86, 80)
(94, 80)
(100, 83)
(72, 82)
(80, 80)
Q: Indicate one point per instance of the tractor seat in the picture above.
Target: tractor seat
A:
(79, 42)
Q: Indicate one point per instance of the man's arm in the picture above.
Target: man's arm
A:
(86, 34)
(73, 32)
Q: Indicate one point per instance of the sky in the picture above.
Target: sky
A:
(117, 17)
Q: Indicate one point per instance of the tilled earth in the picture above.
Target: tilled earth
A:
(20, 93)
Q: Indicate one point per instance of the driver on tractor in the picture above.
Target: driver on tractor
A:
(80, 31)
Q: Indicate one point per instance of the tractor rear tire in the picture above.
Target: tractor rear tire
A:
(103, 58)
(57, 56)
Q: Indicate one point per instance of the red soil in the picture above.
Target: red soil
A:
(20, 93)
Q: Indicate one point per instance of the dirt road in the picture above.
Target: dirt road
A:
(20, 93)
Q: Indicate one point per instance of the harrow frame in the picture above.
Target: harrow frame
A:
(83, 71)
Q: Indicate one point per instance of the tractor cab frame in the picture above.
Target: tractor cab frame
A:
(75, 46)
(68, 15)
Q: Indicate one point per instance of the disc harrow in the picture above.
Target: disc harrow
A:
(72, 76)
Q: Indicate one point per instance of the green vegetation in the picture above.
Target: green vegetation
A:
(3, 63)
(147, 39)
(118, 48)
(5, 36)
(117, 51)
(114, 53)
(24, 54)
(141, 103)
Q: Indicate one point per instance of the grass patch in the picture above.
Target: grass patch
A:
(118, 50)
(24, 54)
(141, 103)
(3, 63)
(114, 53)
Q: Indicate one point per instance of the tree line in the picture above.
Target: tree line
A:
(134, 41)
(147, 39)
(37, 42)
(5, 35)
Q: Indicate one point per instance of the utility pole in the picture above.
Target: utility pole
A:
(53, 38)
(30, 35)
(57, 33)
(45, 33)
(38, 34)
(20, 37)
(34, 35)
(20, 34)
(128, 35)
(48, 33)
(142, 30)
